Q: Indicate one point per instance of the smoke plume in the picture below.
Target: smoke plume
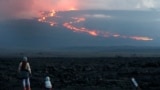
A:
(28, 9)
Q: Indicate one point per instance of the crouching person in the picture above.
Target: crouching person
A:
(25, 71)
(47, 83)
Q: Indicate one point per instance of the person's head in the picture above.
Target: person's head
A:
(47, 78)
(25, 58)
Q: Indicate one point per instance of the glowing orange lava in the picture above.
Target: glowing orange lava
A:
(43, 17)
(77, 20)
(141, 38)
(84, 30)
(74, 22)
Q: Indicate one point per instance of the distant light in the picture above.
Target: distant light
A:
(72, 9)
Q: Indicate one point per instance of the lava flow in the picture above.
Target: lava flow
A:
(44, 16)
(70, 26)
(73, 24)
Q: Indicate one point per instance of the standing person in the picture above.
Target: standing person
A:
(25, 70)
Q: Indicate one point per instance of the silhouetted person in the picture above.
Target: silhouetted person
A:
(25, 71)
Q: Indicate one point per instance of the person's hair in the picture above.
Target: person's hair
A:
(24, 63)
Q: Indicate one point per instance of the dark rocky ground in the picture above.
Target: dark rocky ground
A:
(85, 73)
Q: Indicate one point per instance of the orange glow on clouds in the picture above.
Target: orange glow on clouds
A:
(72, 9)
(64, 5)
(29, 9)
